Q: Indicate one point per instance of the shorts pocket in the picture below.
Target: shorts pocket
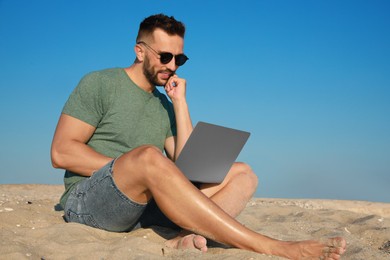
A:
(85, 219)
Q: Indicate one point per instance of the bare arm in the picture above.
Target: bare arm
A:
(69, 150)
(175, 89)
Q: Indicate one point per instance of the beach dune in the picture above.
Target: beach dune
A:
(32, 227)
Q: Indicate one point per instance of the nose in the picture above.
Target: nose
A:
(172, 65)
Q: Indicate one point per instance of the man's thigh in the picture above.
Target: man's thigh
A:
(135, 171)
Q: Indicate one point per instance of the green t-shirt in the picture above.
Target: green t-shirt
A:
(125, 116)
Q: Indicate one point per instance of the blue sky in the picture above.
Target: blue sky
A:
(309, 79)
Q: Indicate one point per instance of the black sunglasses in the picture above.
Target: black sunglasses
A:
(166, 57)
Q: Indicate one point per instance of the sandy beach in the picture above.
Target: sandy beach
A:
(31, 227)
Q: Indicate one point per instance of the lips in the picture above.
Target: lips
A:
(166, 74)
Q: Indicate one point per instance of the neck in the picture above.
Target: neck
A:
(136, 74)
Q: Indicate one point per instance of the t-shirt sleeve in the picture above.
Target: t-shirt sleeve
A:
(85, 101)
(172, 131)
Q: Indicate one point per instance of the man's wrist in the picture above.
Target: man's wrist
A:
(179, 102)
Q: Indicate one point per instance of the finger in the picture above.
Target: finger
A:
(168, 89)
(168, 86)
(170, 80)
(173, 82)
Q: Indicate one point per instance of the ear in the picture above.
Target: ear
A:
(139, 52)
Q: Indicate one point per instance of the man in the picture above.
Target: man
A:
(110, 139)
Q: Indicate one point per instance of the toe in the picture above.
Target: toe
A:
(200, 243)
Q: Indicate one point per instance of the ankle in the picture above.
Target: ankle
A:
(280, 248)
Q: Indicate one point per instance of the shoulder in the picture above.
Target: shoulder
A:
(105, 74)
(102, 80)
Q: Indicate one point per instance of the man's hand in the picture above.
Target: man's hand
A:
(176, 88)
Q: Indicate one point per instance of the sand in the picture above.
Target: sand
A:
(32, 228)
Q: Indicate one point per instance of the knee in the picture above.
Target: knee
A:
(144, 156)
(148, 154)
(248, 179)
(148, 149)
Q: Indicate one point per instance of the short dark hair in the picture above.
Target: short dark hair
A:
(168, 24)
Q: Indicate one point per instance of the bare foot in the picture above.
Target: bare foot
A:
(330, 249)
(191, 241)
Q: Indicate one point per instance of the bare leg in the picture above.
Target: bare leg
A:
(153, 175)
(235, 191)
(231, 195)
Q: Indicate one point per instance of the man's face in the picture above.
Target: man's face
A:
(156, 72)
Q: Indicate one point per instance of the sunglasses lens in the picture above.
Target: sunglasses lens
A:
(180, 59)
(166, 57)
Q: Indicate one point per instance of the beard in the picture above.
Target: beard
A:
(152, 75)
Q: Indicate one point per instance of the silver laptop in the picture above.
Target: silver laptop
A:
(210, 152)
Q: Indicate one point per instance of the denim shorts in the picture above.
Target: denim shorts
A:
(97, 202)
